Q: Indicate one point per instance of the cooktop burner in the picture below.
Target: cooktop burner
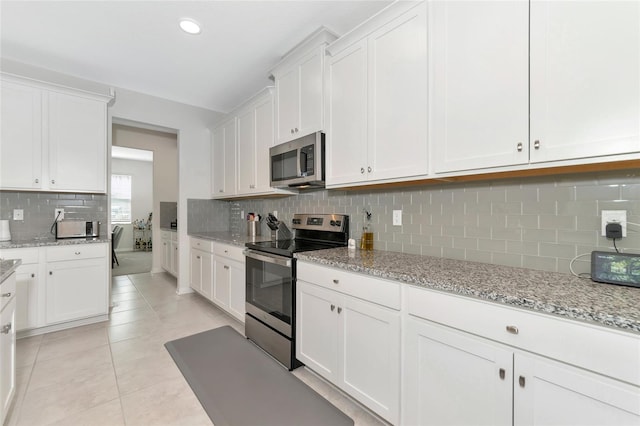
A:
(288, 247)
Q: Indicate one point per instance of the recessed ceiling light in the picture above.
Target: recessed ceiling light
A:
(190, 26)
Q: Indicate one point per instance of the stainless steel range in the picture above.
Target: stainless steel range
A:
(271, 281)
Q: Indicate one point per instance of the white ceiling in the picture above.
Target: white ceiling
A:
(137, 45)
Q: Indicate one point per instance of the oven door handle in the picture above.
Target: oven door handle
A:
(278, 260)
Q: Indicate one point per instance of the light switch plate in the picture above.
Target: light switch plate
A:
(18, 214)
(397, 218)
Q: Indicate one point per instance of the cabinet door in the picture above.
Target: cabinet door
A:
(370, 347)
(288, 104)
(246, 152)
(479, 93)
(317, 328)
(195, 270)
(7, 357)
(548, 392)
(27, 293)
(452, 377)
(221, 283)
(237, 289)
(77, 143)
(76, 289)
(21, 137)
(397, 63)
(585, 79)
(166, 254)
(264, 141)
(224, 160)
(347, 116)
(311, 93)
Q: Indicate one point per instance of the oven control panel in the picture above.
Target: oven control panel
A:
(320, 222)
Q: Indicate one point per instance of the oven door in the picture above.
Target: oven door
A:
(269, 282)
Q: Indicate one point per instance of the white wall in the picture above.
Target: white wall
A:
(194, 155)
(141, 194)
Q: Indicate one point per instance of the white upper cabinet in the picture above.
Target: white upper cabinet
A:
(377, 99)
(585, 79)
(247, 157)
(53, 139)
(299, 79)
(77, 143)
(519, 85)
(479, 103)
(223, 150)
(21, 139)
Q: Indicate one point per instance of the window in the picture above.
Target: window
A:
(121, 198)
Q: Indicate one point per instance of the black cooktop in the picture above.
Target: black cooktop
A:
(288, 247)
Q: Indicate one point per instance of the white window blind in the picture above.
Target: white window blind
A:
(121, 198)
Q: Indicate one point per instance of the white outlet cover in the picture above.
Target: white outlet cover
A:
(617, 216)
(18, 214)
(55, 214)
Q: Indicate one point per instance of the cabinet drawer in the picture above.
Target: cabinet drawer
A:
(7, 290)
(75, 252)
(226, 250)
(382, 292)
(27, 255)
(200, 244)
(606, 351)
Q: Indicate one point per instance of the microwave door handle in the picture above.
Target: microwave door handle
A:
(301, 159)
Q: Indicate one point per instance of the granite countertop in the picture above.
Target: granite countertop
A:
(7, 266)
(229, 238)
(50, 241)
(547, 292)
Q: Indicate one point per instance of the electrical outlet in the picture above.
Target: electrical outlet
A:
(242, 214)
(58, 212)
(18, 214)
(275, 213)
(397, 218)
(614, 216)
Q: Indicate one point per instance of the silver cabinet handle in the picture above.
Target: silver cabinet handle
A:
(336, 281)
(197, 257)
(221, 190)
(50, 272)
(5, 329)
(5, 295)
(361, 169)
(536, 144)
(33, 275)
(77, 253)
(512, 329)
(333, 307)
(53, 181)
(502, 373)
(339, 310)
(369, 169)
(37, 180)
(519, 146)
(521, 381)
(226, 267)
(291, 131)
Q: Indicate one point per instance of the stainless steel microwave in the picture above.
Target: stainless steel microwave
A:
(298, 163)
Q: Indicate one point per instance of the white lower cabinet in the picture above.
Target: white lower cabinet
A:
(353, 343)
(451, 376)
(169, 241)
(217, 273)
(29, 288)
(77, 282)
(7, 345)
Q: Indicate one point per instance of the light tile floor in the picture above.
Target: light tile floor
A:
(119, 373)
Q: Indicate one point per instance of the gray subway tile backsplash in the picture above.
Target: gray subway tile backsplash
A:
(538, 223)
(39, 208)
